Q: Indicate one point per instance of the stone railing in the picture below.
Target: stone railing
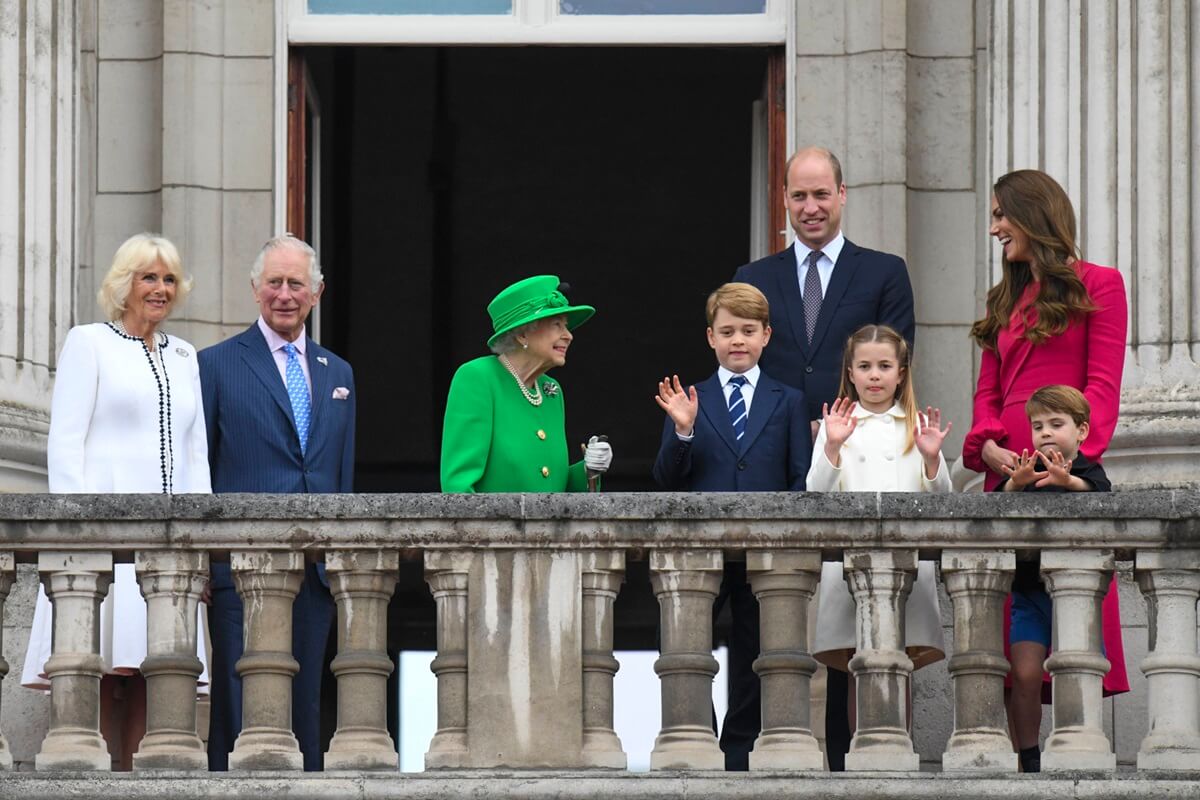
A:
(524, 587)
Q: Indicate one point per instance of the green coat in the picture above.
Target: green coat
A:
(494, 440)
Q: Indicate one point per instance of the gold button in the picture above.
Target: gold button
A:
(541, 434)
(545, 472)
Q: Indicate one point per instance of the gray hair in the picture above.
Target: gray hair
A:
(288, 240)
(508, 342)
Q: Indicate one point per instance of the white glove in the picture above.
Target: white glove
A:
(598, 455)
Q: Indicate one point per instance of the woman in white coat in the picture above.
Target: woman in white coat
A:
(126, 417)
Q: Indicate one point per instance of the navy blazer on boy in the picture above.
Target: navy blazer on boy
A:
(867, 287)
(772, 456)
(253, 446)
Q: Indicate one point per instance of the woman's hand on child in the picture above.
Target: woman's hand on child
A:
(1022, 474)
(998, 458)
(1058, 469)
(680, 405)
(840, 422)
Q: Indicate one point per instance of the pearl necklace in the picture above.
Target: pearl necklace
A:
(534, 397)
(166, 458)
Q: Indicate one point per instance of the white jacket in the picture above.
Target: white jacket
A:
(873, 459)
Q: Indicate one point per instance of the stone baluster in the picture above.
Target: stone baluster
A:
(362, 582)
(977, 582)
(171, 581)
(7, 573)
(602, 576)
(1171, 582)
(880, 581)
(268, 582)
(686, 584)
(75, 583)
(1077, 581)
(784, 581)
(447, 574)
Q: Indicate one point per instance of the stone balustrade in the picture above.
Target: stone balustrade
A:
(524, 587)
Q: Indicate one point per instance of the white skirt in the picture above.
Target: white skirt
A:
(834, 642)
(122, 632)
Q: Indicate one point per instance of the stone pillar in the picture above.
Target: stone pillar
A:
(75, 583)
(602, 575)
(1103, 96)
(171, 582)
(1077, 581)
(686, 583)
(784, 581)
(362, 582)
(268, 581)
(7, 574)
(39, 44)
(977, 582)
(447, 574)
(1171, 582)
(880, 581)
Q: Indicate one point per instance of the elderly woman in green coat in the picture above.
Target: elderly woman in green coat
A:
(504, 429)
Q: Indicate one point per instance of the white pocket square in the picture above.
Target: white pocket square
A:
(323, 361)
(341, 393)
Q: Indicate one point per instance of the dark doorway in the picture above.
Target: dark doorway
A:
(449, 173)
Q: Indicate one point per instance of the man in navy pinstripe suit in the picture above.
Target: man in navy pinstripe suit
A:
(262, 389)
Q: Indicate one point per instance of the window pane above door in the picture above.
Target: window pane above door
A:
(410, 6)
(582, 7)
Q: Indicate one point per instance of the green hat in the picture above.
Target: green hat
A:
(530, 300)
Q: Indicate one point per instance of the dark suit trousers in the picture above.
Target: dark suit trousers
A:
(743, 718)
(313, 615)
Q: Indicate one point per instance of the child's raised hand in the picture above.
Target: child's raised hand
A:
(680, 405)
(1058, 469)
(1022, 474)
(840, 422)
(930, 434)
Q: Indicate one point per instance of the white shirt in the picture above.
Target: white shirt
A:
(829, 257)
(723, 375)
(276, 342)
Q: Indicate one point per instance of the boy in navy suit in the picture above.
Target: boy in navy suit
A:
(740, 430)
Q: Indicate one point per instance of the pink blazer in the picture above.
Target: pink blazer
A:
(1089, 355)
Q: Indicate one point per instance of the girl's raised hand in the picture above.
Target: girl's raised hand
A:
(840, 422)
(681, 406)
(930, 434)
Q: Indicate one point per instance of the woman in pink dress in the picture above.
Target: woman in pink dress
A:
(1052, 319)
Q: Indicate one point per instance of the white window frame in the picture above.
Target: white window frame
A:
(532, 22)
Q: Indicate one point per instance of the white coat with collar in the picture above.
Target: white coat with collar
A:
(873, 460)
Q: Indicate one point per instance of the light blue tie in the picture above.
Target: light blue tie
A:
(297, 389)
(737, 406)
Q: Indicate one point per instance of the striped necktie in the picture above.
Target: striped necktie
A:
(737, 406)
(812, 294)
(297, 389)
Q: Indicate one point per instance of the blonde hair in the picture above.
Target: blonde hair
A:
(905, 396)
(1060, 399)
(740, 299)
(137, 253)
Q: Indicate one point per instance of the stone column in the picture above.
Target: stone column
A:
(7, 574)
(880, 581)
(1077, 581)
(977, 582)
(362, 582)
(447, 574)
(75, 582)
(1171, 582)
(267, 581)
(784, 581)
(686, 583)
(602, 575)
(171, 582)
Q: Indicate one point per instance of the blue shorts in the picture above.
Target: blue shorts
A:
(1032, 615)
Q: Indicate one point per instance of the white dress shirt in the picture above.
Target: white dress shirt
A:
(829, 257)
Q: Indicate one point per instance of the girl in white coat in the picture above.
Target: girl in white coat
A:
(873, 439)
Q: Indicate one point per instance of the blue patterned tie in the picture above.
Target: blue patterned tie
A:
(737, 406)
(297, 390)
(812, 294)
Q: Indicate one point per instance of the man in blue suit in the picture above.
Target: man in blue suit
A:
(740, 430)
(280, 415)
(821, 290)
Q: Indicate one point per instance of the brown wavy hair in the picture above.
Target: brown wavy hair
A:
(1036, 205)
(905, 396)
